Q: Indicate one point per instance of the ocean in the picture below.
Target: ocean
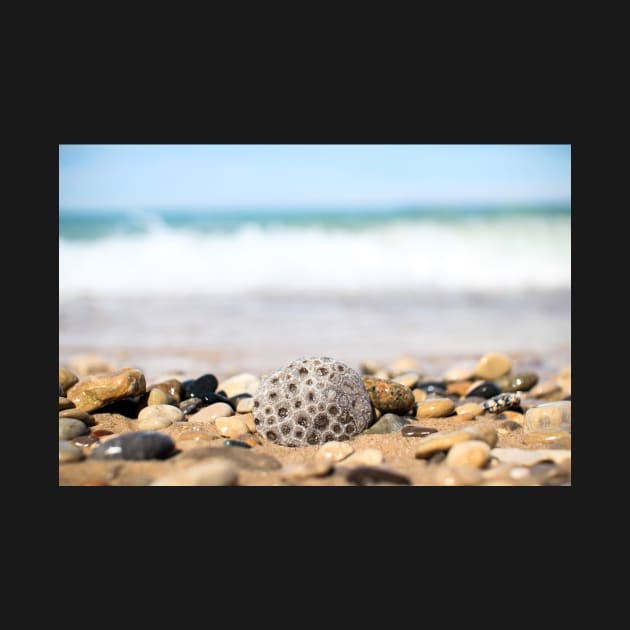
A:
(228, 290)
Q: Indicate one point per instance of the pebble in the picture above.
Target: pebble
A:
(138, 445)
(419, 395)
(184, 389)
(483, 389)
(217, 472)
(245, 405)
(244, 383)
(64, 403)
(79, 414)
(500, 403)
(492, 365)
(409, 379)
(473, 453)
(458, 388)
(365, 457)
(464, 371)
(159, 417)
(158, 397)
(212, 412)
(548, 417)
(204, 387)
(388, 396)
(473, 408)
(69, 453)
(230, 427)
(443, 441)
(236, 443)
(529, 457)
(403, 364)
(465, 417)
(413, 430)
(373, 475)
(435, 408)
(462, 476)
(298, 472)
(172, 387)
(334, 451)
(101, 432)
(94, 392)
(85, 440)
(71, 427)
(545, 436)
(243, 458)
(519, 383)
(191, 405)
(67, 379)
(388, 423)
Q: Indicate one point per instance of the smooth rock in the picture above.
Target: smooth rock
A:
(492, 365)
(79, 414)
(403, 364)
(243, 458)
(216, 472)
(408, 379)
(185, 387)
(419, 395)
(413, 430)
(473, 453)
(459, 388)
(244, 383)
(563, 442)
(172, 387)
(375, 475)
(529, 457)
(443, 441)
(139, 445)
(191, 405)
(69, 453)
(548, 417)
(500, 403)
(483, 389)
(334, 451)
(64, 403)
(71, 427)
(205, 388)
(94, 392)
(101, 432)
(298, 472)
(388, 396)
(564, 380)
(365, 457)
(547, 436)
(388, 423)
(230, 427)
(158, 397)
(465, 417)
(245, 405)
(519, 382)
(67, 379)
(212, 412)
(159, 417)
(435, 408)
(470, 408)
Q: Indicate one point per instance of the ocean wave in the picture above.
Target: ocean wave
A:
(515, 254)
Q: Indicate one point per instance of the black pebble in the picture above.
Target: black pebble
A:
(204, 386)
(368, 475)
(487, 389)
(185, 388)
(236, 443)
(433, 387)
(213, 398)
(138, 445)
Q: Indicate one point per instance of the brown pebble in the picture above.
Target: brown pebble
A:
(435, 408)
(67, 378)
(78, 414)
(413, 430)
(493, 365)
(101, 432)
(474, 408)
(158, 397)
(64, 403)
(419, 395)
(459, 387)
(465, 417)
(171, 386)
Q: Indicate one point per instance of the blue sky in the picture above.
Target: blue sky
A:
(205, 176)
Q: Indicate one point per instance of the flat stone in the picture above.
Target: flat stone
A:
(244, 383)
(64, 403)
(376, 475)
(483, 389)
(419, 395)
(334, 451)
(444, 475)
(94, 392)
(548, 417)
(435, 408)
(243, 458)
(473, 453)
(388, 396)
(408, 379)
(365, 457)
(464, 371)
(139, 445)
(212, 412)
(71, 427)
(67, 378)
(230, 427)
(492, 365)
(191, 405)
(529, 457)
(78, 414)
(245, 405)
(472, 408)
(172, 387)
(298, 472)
(217, 472)
(388, 423)
(158, 417)
(69, 453)
(403, 364)
(413, 430)
(158, 397)
(519, 382)
(500, 403)
(443, 441)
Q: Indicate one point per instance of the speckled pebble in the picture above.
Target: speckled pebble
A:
(64, 403)
(492, 365)
(245, 405)
(413, 430)
(71, 427)
(365, 457)
(388, 423)
(375, 475)
(230, 427)
(139, 445)
(548, 417)
(69, 453)
(473, 453)
(78, 414)
(334, 451)
(388, 396)
(500, 403)
(212, 412)
(217, 472)
(435, 408)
